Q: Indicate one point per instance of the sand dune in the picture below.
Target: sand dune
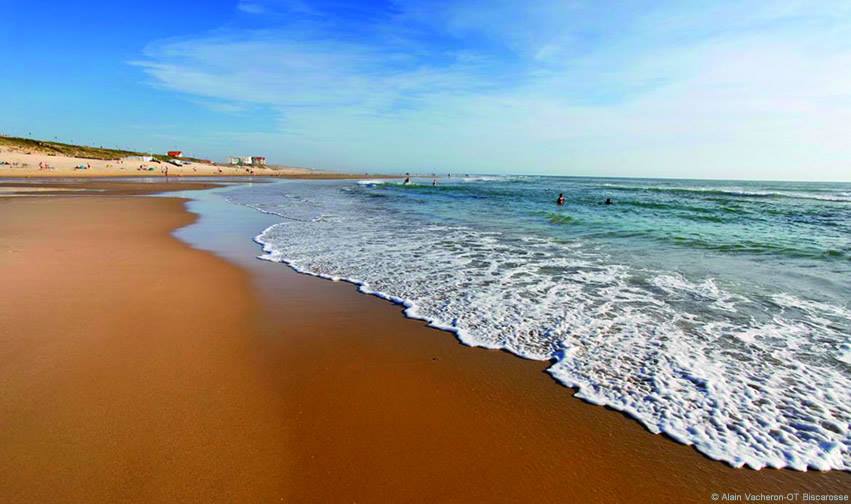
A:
(16, 162)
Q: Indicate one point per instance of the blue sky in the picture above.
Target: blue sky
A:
(744, 89)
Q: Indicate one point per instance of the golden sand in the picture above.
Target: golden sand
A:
(21, 163)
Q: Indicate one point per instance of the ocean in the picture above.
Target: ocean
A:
(715, 312)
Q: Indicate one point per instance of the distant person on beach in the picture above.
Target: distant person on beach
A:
(560, 200)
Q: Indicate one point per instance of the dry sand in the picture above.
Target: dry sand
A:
(17, 163)
(135, 368)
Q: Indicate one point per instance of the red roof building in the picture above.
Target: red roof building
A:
(174, 153)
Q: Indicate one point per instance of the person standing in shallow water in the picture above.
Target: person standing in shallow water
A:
(560, 200)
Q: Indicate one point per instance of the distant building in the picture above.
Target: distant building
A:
(247, 160)
(175, 153)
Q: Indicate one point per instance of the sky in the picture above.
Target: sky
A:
(694, 89)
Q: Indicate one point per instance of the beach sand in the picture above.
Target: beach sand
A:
(21, 163)
(136, 368)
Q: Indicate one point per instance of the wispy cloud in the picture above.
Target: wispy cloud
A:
(698, 89)
(250, 7)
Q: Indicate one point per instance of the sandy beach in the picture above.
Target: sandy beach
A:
(137, 368)
(29, 163)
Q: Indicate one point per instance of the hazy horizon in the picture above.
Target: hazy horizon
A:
(730, 91)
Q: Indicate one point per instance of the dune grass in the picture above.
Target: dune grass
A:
(79, 151)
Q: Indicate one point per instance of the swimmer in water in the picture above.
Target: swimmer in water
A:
(434, 182)
(560, 200)
(608, 201)
(407, 181)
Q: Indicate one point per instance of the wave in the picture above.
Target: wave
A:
(687, 211)
(494, 178)
(558, 218)
(752, 247)
(483, 178)
(840, 197)
(372, 182)
(443, 180)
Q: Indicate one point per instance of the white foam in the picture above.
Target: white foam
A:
(743, 381)
(843, 353)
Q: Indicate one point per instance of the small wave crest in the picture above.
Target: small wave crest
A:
(560, 218)
(371, 182)
(838, 197)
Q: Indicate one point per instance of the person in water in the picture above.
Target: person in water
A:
(407, 181)
(560, 200)
(608, 201)
(434, 181)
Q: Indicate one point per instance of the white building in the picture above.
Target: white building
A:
(144, 159)
(247, 160)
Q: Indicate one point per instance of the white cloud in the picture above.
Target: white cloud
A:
(250, 7)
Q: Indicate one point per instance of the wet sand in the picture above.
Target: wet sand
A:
(136, 368)
(112, 187)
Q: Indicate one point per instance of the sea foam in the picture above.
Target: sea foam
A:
(751, 382)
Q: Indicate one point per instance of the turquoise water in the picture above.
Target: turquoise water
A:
(783, 219)
(715, 312)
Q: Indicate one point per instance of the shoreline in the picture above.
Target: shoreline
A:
(358, 402)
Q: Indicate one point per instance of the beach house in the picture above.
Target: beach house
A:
(247, 160)
(144, 159)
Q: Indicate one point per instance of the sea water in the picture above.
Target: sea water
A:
(714, 312)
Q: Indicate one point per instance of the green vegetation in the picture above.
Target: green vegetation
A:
(80, 151)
